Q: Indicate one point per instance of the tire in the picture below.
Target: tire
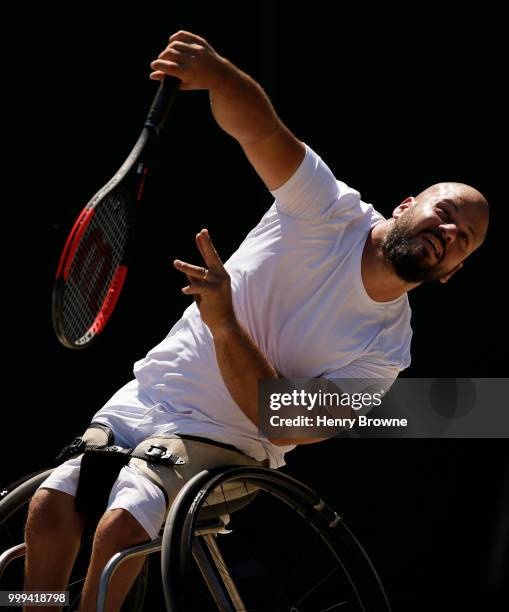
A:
(307, 521)
(14, 500)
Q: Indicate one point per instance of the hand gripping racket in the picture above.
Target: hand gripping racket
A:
(94, 262)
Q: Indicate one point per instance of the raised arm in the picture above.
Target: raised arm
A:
(239, 105)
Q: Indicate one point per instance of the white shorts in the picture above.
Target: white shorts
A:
(129, 418)
(131, 491)
(133, 419)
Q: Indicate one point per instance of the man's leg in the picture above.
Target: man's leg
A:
(116, 531)
(52, 535)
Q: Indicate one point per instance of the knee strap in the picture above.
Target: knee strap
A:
(100, 465)
(197, 454)
(96, 474)
(167, 461)
(96, 436)
(99, 470)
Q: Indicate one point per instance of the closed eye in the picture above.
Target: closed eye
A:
(445, 213)
(448, 217)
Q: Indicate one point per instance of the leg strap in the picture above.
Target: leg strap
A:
(167, 461)
(97, 474)
(99, 470)
(96, 436)
(197, 454)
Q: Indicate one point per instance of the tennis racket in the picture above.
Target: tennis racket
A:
(94, 262)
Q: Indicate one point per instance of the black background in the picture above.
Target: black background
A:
(393, 100)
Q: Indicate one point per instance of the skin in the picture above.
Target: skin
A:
(210, 285)
(398, 256)
(443, 225)
(428, 237)
(440, 227)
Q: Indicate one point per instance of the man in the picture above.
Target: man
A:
(317, 289)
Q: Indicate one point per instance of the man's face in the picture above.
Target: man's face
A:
(432, 234)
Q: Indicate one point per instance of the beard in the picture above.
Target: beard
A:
(406, 254)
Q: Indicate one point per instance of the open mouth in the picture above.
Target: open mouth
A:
(434, 242)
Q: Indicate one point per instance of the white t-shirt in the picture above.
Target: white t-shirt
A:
(297, 289)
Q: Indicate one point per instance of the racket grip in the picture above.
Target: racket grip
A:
(161, 105)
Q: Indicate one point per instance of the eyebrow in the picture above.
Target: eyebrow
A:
(468, 226)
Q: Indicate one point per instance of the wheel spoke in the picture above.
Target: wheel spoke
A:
(317, 585)
(299, 564)
(335, 606)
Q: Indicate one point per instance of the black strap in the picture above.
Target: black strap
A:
(99, 470)
(76, 447)
(101, 465)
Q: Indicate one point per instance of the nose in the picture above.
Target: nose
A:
(449, 232)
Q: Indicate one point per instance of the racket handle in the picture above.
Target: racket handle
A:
(163, 100)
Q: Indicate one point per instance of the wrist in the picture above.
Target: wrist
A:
(228, 80)
(225, 330)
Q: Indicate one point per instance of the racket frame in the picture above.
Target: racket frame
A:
(130, 176)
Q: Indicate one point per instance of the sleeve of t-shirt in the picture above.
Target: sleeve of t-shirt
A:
(313, 192)
(362, 374)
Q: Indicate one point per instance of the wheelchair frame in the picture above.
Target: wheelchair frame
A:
(186, 534)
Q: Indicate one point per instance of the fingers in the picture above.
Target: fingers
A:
(207, 250)
(179, 51)
(202, 278)
(200, 247)
(183, 48)
(174, 60)
(167, 67)
(188, 37)
(157, 75)
(192, 60)
(195, 272)
(195, 288)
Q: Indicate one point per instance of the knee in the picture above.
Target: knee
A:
(50, 511)
(119, 529)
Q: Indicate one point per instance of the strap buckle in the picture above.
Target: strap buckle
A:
(160, 454)
(77, 446)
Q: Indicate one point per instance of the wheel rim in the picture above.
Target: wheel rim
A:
(14, 502)
(305, 566)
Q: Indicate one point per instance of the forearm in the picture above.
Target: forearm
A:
(242, 365)
(241, 107)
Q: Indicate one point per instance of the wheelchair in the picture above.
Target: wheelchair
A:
(235, 538)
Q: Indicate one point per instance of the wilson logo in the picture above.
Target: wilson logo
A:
(93, 265)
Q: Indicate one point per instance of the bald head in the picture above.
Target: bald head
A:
(431, 235)
(469, 201)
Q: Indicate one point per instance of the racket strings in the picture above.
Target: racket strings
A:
(94, 264)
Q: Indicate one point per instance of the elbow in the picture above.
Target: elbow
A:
(283, 441)
(277, 441)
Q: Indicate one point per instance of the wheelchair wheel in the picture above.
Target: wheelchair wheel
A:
(279, 547)
(14, 500)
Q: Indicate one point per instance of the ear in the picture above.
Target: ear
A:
(447, 276)
(407, 203)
